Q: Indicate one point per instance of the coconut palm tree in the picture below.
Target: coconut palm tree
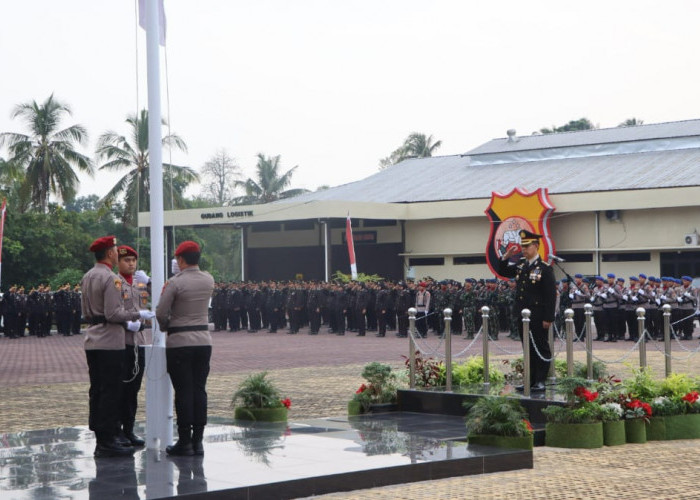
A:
(270, 184)
(416, 145)
(47, 154)
(119, 152)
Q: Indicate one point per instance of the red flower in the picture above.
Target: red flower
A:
(691, 397)
(362, 389)
(647, 409)
(580, 391)
(583, 393)
(528, 425)
(287, 402)
(590, 396)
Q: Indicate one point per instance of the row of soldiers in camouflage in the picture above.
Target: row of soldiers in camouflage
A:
(37, 310)
(615, 303)
(361, 307)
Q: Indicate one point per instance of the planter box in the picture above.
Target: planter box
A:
(354, 408)
(683, 426)
(516, 442)
(614, 433)
(636, 431)
(656, 429)
(574, 435)
(383, 407)
(261, 414)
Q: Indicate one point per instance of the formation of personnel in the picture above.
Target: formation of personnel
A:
(35, 312)
(615, 302)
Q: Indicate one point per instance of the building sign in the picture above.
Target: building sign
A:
(512, 212)
(362, 237)
(228, 215)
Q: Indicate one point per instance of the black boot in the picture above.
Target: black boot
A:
(133, 438)
(183, 447)
(197, 437)
(107, 446)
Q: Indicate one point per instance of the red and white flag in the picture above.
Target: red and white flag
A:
(161, 19)
(351, 248)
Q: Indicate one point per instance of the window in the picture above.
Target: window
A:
(627, 257)
(299, 225)
(577, 257)
(426, 261)
(263, 227)
(475, 259)
(338, 223)
(378, 222)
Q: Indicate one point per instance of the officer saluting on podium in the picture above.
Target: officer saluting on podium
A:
(535, 290)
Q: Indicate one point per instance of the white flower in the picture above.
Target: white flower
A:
(660, 401)
(615, 407)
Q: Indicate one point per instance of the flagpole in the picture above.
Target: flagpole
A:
(159, 401)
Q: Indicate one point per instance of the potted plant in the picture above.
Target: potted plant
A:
(471, 372)
(499, 421)
(637, 413)
(378, 394)
(576, 425)
(260, 400)
(662, 407)
(685, 425)
(613, 425)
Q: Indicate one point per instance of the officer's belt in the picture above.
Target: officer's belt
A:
(193, 328)
(98, 320)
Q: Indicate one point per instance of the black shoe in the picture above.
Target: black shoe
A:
(401, 335)
(520, 388)
(379, 335)
(135, 440)
(340, 333)
(111, 448)
(180, 449)
(538, 387)
(360, 335)
(122, 440)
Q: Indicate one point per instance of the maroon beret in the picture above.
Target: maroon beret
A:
(126, 251)
(187, 246)
(103, 243)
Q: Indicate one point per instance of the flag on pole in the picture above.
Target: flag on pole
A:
(351, 248)
(161, 19)
(2, 231)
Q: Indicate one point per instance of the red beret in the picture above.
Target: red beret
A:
(423, 284)
(126, 251)
(103, 243)
(187, 246)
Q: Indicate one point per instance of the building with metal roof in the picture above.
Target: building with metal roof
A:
(626, 201)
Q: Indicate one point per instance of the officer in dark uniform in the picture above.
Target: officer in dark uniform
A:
(536, 291)
(76, 310)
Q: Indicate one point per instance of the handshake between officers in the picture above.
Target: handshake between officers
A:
(535, 290)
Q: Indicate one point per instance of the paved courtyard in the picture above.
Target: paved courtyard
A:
(43, 384)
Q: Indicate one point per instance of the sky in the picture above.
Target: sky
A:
(334, 86)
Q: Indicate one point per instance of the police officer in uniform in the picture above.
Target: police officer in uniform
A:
(183, 312)
(536, 291)
(104, 345)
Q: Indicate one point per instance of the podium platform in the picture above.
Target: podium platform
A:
(265, 461)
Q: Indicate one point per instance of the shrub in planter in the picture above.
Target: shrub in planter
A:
(637, 413)
(472, 372)
(498, 421)
(381, 388)
(613, 426)
(259, 400)
(576, 425)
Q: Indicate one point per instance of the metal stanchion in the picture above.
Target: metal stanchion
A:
(667, 337)
(412, 347)
(485, 344)
(589, 340)
(526, 352)
(642, 335)
(569, 321)
(447, 313)
(552, 371)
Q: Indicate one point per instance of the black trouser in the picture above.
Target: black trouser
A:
(632, 326)
(106, 369)
(255, 319)
(339, 321)
(188, 368)
(687, 326)
(63, 322)
(610, 319)
(314, 320)
(76, 317)
(274, 316)
(579, 322)
(421, 323)
(391, 319)
(402, 324)
(539, 368)
(294, 319)
(130, 391)
(234, 320)
(381, 321)
(360, 321)
(456, 325)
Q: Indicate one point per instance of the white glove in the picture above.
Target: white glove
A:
(571, 296)
(687, 294)
(146, 314)
(174, 267)
(133, 326)
(578, 292)
(624, 297)
(658, 302)
(604, 295)
(635, 299)
(663, 297)
(679, 299)
(141, 278)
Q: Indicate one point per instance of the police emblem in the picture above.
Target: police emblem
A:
(118, 284)
(513, 212)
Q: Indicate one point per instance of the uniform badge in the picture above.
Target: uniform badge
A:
(118, 284)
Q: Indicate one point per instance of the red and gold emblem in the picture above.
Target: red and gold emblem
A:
(512, 212)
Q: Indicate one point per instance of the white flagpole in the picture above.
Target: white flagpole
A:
(159, 401)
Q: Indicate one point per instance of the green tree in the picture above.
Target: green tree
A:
(119, 152)
(47, 154)
(270, 183)
(631, 122)
(416, 145)
(580, 124)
